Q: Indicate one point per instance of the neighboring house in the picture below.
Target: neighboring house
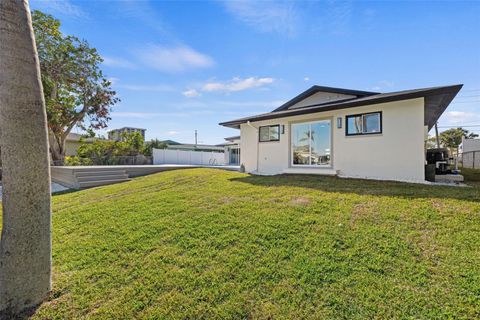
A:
(344, 132)
(73, 141)
(469, 151)
(232, 150)
(116, 134)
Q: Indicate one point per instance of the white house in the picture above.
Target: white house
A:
(344, 132)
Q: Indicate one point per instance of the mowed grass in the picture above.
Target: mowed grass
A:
(213, 244)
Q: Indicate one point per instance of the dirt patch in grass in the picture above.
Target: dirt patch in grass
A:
(361, 210)
(300, 202)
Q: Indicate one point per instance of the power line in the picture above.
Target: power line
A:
(460, 96)
(460, 126)
(474, 101)
(470, 90)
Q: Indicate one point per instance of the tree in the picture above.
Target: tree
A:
(132, 143)
(102, 152)
(451, 138)
(25, 246)
(153, 144)
(76, 91)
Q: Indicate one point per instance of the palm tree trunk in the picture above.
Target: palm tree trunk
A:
(25, 247)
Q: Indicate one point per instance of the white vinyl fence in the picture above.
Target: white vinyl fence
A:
(471, 159)
(166, 156)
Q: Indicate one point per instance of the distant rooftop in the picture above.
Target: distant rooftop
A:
(126, 128)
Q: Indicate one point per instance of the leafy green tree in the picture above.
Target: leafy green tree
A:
(132, 143)
(75, 89)
(108, 151)
(431, 142)
(451, 138)
(150, 145)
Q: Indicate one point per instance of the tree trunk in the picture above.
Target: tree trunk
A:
(25, 247)
(57, 150)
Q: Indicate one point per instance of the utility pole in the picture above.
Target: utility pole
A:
(436, 135)
(195, 137)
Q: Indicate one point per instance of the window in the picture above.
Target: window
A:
(311, 143)
(367, 123)
(269, 133)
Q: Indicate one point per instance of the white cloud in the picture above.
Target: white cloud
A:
(266, 16)
(173, 59)
(306, 79)
(191, 93)
(236, 84)
(60, 7)
(172, 133)
(118, 63)
(459, 118)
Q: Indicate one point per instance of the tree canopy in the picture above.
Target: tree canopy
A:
(451, 138)
(75, 89)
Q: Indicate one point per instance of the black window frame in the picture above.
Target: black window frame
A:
(269, 140)
(362, 115)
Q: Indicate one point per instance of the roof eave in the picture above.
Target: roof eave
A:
(447, 93)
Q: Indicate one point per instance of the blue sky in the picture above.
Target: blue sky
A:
(179, 66)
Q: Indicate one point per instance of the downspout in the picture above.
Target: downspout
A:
(258, 144)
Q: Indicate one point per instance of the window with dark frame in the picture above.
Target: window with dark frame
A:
(363, 124)
(269, 133)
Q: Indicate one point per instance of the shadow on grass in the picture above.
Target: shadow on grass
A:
(364, 187)
(64, 192)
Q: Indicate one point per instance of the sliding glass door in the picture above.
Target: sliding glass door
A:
(311, 143)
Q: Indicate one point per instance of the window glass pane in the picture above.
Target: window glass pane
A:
(354, 125)
(371, 123)
(300, 143)
(320, 142)
(274, 133)
(264, 133)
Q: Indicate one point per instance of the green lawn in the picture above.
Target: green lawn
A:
(472, 176)
(212, 244)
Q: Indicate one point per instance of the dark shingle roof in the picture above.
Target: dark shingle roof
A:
(437, 100)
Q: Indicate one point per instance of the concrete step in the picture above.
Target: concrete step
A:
(90, 184)
(102, 177)
(79, 174)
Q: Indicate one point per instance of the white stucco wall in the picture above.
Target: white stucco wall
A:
(395, 154)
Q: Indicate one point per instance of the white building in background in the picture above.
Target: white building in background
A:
(469, 151)
(344, 132)
(232, 150)
(116, 134)
(74, 141)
